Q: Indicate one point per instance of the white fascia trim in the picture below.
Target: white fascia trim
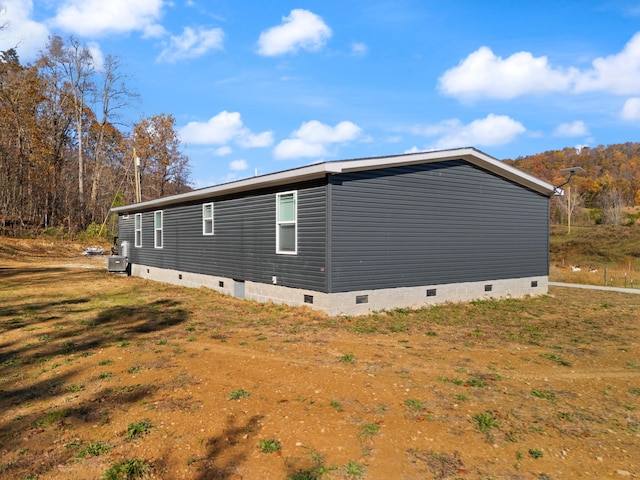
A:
(471, 155)
(301, 174)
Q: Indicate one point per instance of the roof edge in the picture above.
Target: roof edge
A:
(319, 170)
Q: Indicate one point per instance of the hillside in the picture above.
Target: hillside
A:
(608, 170)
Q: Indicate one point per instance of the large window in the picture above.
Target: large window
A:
(157, 227)
(286, 223)
(138, 228)
(207, 219)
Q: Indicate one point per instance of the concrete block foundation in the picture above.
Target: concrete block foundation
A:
(352, 303)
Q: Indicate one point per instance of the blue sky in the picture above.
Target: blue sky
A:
(267, 86)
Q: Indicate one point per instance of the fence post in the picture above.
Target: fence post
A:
(605, 276)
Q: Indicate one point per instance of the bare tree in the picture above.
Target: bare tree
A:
(108, 143)
(570, 202)
(612, 201)
(76, 64)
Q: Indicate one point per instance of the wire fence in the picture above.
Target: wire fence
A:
(622, 275)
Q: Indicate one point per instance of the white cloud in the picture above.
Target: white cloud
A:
(98, 17)
(492, 130)
(631, 110)
(617, 74)
(298, 148)
(572, 129)
(223, 151)
(22, 33)
(222, 129)
(238, 165)
(264, 139)
(483, 74)
(191, 44)
(302, 29)
(96, 55)
(359, 49)
(312, 139)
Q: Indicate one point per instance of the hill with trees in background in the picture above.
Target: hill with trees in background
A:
(604, 194)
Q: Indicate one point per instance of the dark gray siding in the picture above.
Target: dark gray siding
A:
(436, 223)
(244, 244)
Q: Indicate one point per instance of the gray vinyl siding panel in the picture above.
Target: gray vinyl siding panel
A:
(243, 246)
(126, 229)
(431, 224)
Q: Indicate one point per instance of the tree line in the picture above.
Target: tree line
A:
(606, 190)
(66, 153)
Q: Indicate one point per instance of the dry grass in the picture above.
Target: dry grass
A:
(596, 255)
(85, 354)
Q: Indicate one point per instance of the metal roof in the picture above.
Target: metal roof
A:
(319, 170)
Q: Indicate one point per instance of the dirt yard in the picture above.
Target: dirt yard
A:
(101, 374)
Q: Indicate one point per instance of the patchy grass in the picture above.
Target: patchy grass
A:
(95, 449)
(130, 469)
(551, 373)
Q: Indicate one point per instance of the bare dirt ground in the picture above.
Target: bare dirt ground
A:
(539, 388)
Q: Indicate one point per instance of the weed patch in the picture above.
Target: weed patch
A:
(270, 446)
(132, 469)
(543, 394)
(237, 394)
(485, 421)
(556, 359)
(347, 358)
(440, 465)
(369, 429)
(137, 429)
(95, 449)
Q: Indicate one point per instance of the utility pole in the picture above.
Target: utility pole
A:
(571, 171)
(136, 166)
(569, 209)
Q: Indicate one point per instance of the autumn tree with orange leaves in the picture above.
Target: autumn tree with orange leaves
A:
(164, 170)
(610, 184)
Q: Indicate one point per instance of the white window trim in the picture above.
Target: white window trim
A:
(294, 223)
(204, 219)
(156, 229)
(136, 230)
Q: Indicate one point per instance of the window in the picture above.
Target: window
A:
(157, 226)
(207, 219)
(286, 223)
(138, 228)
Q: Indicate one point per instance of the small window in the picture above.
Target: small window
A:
(431, 292)
(488, 288)
(157, 226)
(207, 219)
(138, 228)
(286, 223)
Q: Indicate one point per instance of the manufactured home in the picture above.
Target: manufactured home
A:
(353, 236)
